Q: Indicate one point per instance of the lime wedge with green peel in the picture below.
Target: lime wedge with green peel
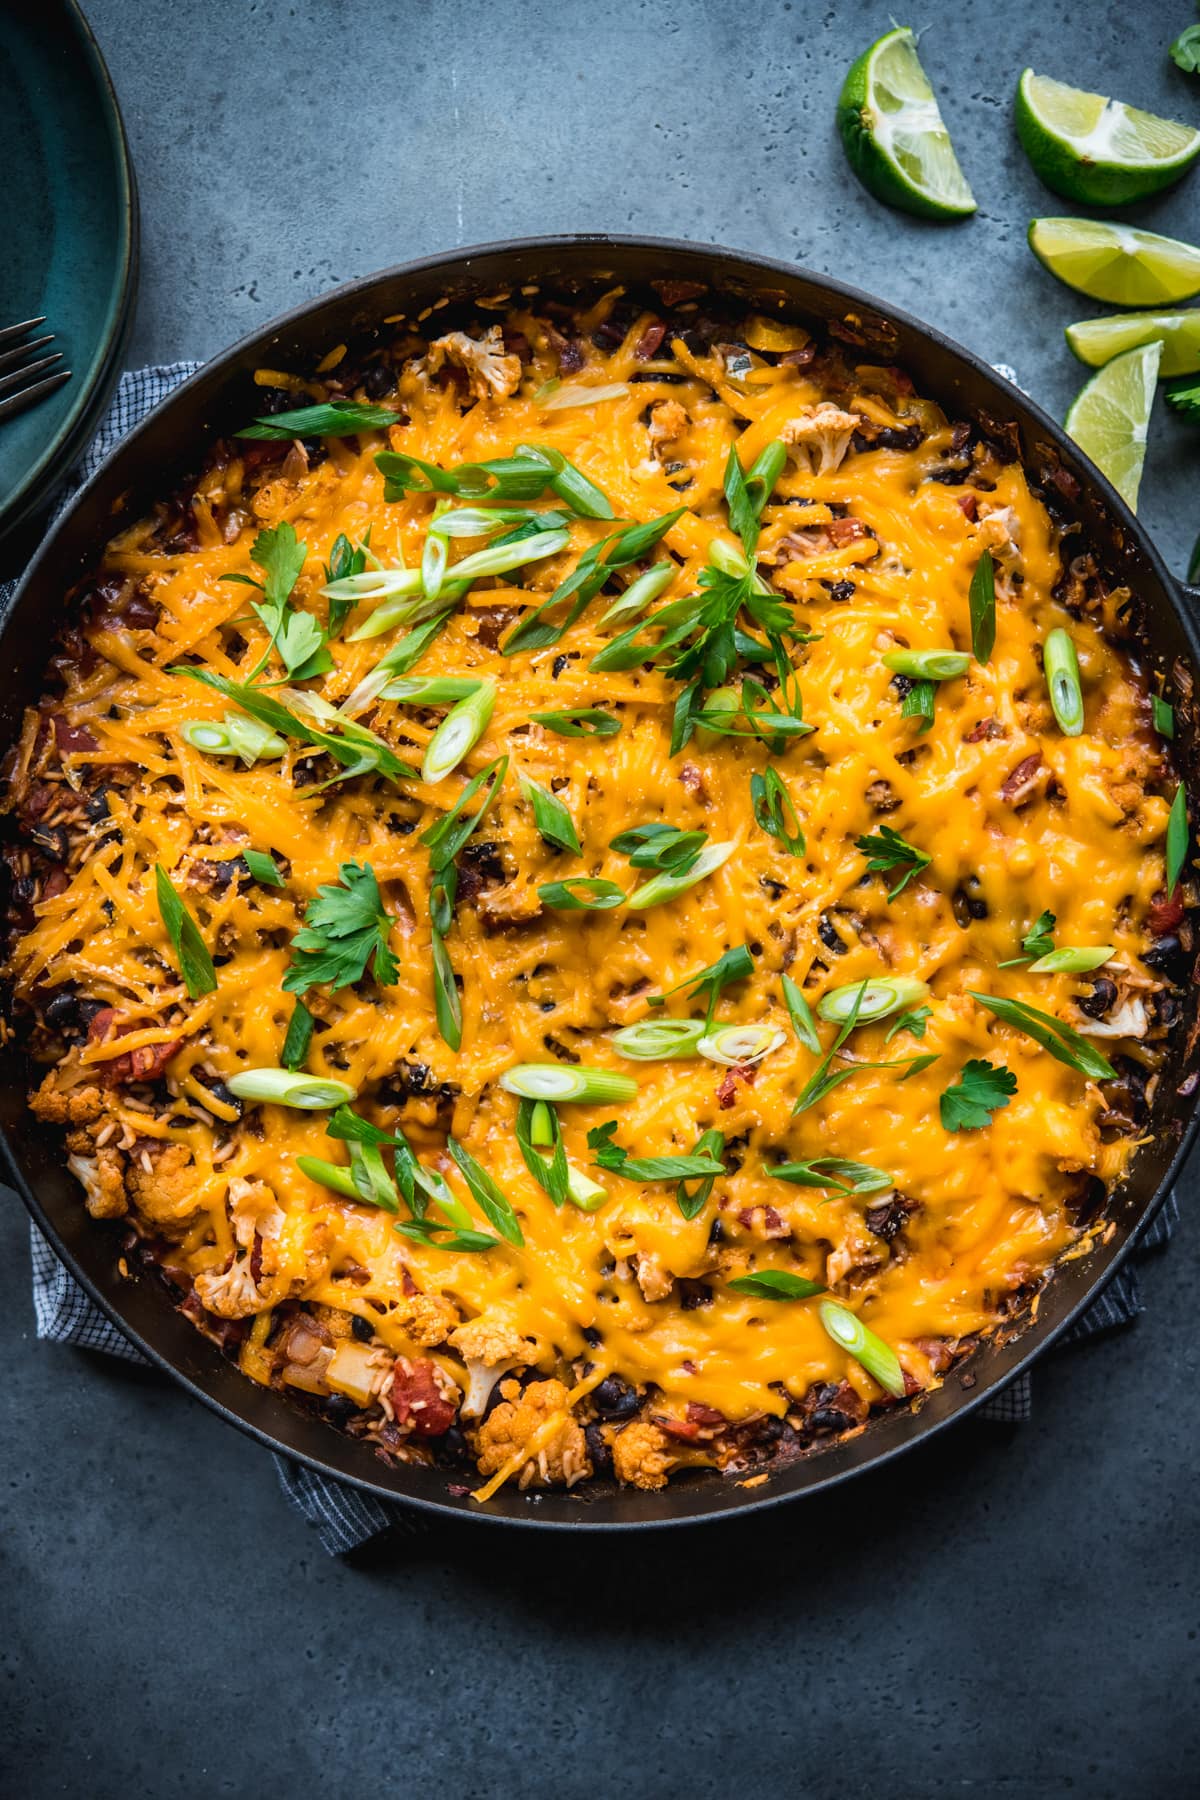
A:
(1097, 341)
(1096, 150)
(895, 139)
(1111, 417)
(1116, 262)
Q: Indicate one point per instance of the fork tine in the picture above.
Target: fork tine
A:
(30, 396)
(21, 376)
(15, 331)
(9, 357)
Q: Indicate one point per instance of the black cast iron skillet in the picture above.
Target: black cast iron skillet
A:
(219, 399)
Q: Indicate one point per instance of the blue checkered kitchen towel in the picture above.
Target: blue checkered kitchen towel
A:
(343, 1516)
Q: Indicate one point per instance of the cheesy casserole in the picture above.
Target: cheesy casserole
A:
(644, 1002)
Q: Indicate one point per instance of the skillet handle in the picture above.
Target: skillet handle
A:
(1189, 595)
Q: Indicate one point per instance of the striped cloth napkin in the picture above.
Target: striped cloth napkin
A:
(343, 1516)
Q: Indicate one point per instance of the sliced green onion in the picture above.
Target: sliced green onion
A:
(1063, 1042)
(919, 703)
(298, 1038)
(374, 584)
(283, 1087)
(860, 1342)
(581, 893)
(927, 665)
(729, 559)
(659, 1040)
(542, 1134)
(235, 735)
(434, 557)
(459, 732)
(875, 999)
(639, 594)
(498, 559)
(734, 1044)
(982, 603)
(435, 690)
(692, 1201)
(1177, 838)
(263, 868)
(491, 1200)
(191, 952)
(721, 708)
(562, 1081)
(776, 1284)
(570, 483)
(579, 394)
(476, 521)
(800, 1013)
(774, 809)
(447, 1002)
(338, 418)
(832, 1172)
(1061, 666)
(1164, 716)
(668, 887)
(579, 721)
(407, 610)
(1072, 959)
(331, 1175)
(370, 1176)
(551, 817)
(583, 1192)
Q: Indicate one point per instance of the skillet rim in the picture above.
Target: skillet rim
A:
(708, 1498)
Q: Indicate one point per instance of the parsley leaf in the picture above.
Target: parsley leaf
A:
(297, 635)
(1038, 941)
(191, 952)
(647, 1168)
(914, 1021)
(733, 965)
(890, 851)
(981, 1090)
(345, 928)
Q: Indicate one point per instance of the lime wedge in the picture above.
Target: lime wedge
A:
(1097, 341)
(1116, 262)
(894, 136)
(1110, 418)
(1096, 150)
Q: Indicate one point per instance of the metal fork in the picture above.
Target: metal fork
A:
(20, 385)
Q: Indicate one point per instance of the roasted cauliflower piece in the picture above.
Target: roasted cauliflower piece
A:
(62, 1106)
(819, 437)
(640, 1455)
(490, 370)
(425, 1318)
(271, 1269)
(490, 1348)
(102, 1177)
(514, 1426)
(166, 1190)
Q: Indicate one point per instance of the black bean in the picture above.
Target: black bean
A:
(829, 936)
(62, 1012)
(339, 1407)
(828, 1418)
(96, 805)
(558, 665)
(378, 381)
(841, 590)
(598, 1450)
(52, 841)
(615, 1399)
(363, 1329)
(1163, 952)
(892, 438)
(1101, 998)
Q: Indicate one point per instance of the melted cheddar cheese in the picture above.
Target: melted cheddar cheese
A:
(1015, 818)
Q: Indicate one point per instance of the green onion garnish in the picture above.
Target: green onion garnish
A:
(1061, 666)
(580, 893)
(570, 483)
(661, 888)
(191, 952)
(579, 721)
(374, 584)
(733, 965)
(639, 594)
(876, 1357)
(338, 418)
(692, 1201)
(331, 1175)
(298, 1038)
(283, 1087)
(1164, 716)
(774, 811)
(435, 690)
(459, 732)
(659, 1040)
(982, 603)
(1072, 959)
(832, 1172)
(490, 1199)
(659, 846)
(583, 1192)
(498, 559)
(920, 702)
(235, 735)
(776, 1284)
(927, 665)
(800, 1013)
(263, 868)
(875, 999)
(736, 1044)
(1061, 1040)
(1177, 838)
(557, 1082)
(551, 817)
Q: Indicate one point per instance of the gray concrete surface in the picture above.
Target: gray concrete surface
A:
(1011, 1612)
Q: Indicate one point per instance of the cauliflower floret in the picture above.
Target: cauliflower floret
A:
(1128, 1020)
(271, 1269)
(654, 1279)
(1000, 530)
(102, 1179)
(514, 1425)
(820, 437)
(425, 1318)
(490, 1348)
(82, 1106)
(230, 1293)
(668, 421)
(166, 1191)
(490, 370)
(640, 1455)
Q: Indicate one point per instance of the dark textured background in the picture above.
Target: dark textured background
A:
(1008, 1612)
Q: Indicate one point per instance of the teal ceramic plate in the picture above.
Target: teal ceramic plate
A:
(70, 237)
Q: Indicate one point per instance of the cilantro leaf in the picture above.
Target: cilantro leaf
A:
(981, 1090)
(890, 851)
(345, 928)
